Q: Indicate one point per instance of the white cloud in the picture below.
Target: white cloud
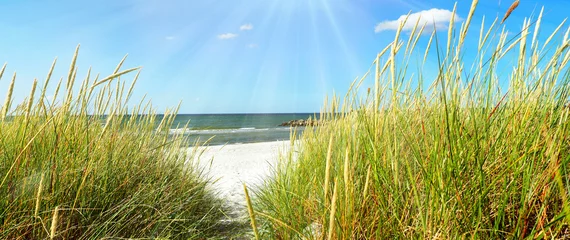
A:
(438, 17)
(246, 27)
(227, 36)
(252, 45)
(169, 38)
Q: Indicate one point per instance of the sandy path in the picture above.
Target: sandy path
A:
(235, 164)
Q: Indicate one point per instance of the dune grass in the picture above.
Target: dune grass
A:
(460, 159)
(85, 167)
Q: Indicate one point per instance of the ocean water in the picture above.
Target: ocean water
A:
(235, 128)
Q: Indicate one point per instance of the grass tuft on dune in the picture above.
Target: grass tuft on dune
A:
(80, 165)
(461, 157)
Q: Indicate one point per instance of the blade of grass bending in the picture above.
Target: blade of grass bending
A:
(411, 37)
(328, 167)
(72, 68)
(91, 89)
(333, 211)
(30, 101)
(481, 34)
(488, 34)
(39, 196)
(44, 89)
(251, 213)
(393, 52)
(69, 87)
(467, 22)
(8, 100)
(552, 35)
(120, 64)
(514, 5)
(2, 71)
(376, 82)
(113, 76)
(534, 42)
(428, 45)
(53, 228)
(366, 185)
(418, 35)
(56, 91)
(129, 93)
(347, 181)
(450, 30)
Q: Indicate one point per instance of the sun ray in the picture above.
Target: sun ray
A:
(351, 59)
(319, 65)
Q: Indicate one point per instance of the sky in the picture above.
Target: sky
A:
(226, 56)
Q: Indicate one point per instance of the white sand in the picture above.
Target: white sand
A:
(233, 165)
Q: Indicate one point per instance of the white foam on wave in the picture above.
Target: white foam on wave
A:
(223, 131)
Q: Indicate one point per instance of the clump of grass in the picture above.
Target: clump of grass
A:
(87, 168)
(460, 159)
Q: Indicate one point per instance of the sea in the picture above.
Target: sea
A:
(221, 129)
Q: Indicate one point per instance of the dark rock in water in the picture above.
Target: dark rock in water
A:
(301, 123)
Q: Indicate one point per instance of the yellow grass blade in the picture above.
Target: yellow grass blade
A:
(251, 213)
(8, 100)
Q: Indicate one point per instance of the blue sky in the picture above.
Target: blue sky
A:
(232, 56)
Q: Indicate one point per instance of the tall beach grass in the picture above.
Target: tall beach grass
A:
(461, 158)
(84, 167)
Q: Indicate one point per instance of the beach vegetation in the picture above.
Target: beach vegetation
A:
(480, 150)
(80, 165)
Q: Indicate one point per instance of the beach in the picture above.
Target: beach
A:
(229, 166)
